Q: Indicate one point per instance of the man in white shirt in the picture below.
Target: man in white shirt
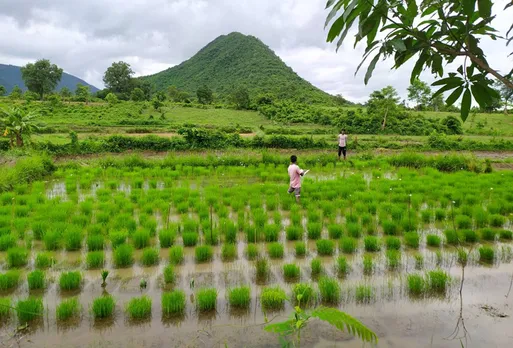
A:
(342, 144)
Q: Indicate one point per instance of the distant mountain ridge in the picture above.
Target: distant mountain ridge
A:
(10, 76)
(236, 60)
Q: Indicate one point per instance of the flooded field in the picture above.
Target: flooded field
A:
(392, 248)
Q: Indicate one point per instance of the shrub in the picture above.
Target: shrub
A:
(306, 293)
(272, 298)
(275, 250)
(412, 239)
(139, 307)
(497, 220)
(334, 231)
(176, 255)
(204, 253)
(291, 272)
(469, 236)
(67, 309)
(150, 257)
(316, 266)
(95, 242)
(486, 254)
(190, 239)
(36, 280)
(325, 247)
(433, 240)
(393, 243)
(294, 232)
(206, 299)
(229, 252)
(173, 303)
(416, 284)
(123, 256)
(239, 297)
(29, 309)
(348, 245)
(343, 267)
(9, 280)
(371, 243)
(70, 281)
(17, 257)
(488, 234)
(329, 290)
(95, 259)
(314, 230)
(103, 307)
(141, 239)
(437, 280)
(252, 251)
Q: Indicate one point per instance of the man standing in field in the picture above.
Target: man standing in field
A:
(295, 174)
(342, 144)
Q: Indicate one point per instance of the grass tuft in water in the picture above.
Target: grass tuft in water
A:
(329, 290)
(29, 309)
(67, 309)
(416, 284)
(291, 272)
(300, 248)
(44, 260)
(203, 253)
(141, 239)
(393, 259)
(306, 293)
(335, 231)
(5, 308)
(262, 268)
(437, 280)
(275, 250)
(506, 235)
(190, 239)
(70, 280)
(176, 256)
(364, 294)
(9, 280)
(433, 240)
(206, 299)
(325, 247)
(368, 264)
(469, 236)
(73, 239)
(150, 257)
(252, 252)
(239, 297)
(95, 259)
(17, 257)
(95, 242)
(123, 256)
(343, 267)
(169, 274)
(294, 232)
(316, 266)
(167, 238)
(229, 252)
(348, 245)
(273, 298)
(412, 240)
(488, 234)
(314, 230)
(371, 243)
(173, 303)
(486, 254)
(36, 280)
(419, 261)
(393, 243)
(139, 307)
(103, 307)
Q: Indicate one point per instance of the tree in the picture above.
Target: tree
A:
(205, 95)
(41, 77)
(383, 102)
(16, 123)
(118, 77)
(65, 93)
(2, 91)
(82, 93)
(112, 99)
(137, 95)
(436, 33)
(420, 93)
(437, 103)
(505, 93)
(241, 98)
(16, 93)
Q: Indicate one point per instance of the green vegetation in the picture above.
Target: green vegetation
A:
(229, 252)
(272, 298)
(9, 280)
(300, 248)
(95, 259)
(70, 280)
(169, 274)
(348, 245)
(343, 267)
(150, 257)
(316, 267)
(291, 272)
(173, 303)
(206, 299)
(30, 309)
(486, 254)
(176, 255)
(123, 256)
(329, 290)
(364, 293)
(103, 307)
(252, 251)
(17, 257)
(262, 268)
(239, 297)
(139, 307)
(416, 284)
(325, 247)
(36, 280)
(68, 309)
(306, 291)
(275, 250)
(437, 281)
(5, 308)
(204, 253)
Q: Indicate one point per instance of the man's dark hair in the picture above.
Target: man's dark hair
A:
(342, 131)
(293, 158)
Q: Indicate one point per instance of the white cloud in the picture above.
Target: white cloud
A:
(85, 37)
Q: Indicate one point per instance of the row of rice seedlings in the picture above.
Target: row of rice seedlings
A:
(435, 281)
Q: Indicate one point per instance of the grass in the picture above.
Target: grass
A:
(371, 243)
(5, 308)
(314, 230)
(17, 257)
(305, 292)
(167, 238)
(393, 243)
(364, 293)
(117, 238)
(416, 284)
(123, 256)
(95, 259)
(300, 248)
(419, 261)
(206, 299)
(433, 240)
(36, 280)
(354, 230)
(95, 242)
(30, 309)
(348, 245)
(203, 253)
(103, 307)
(190, 239)
(294, 232)
(368, 264)
(291, 272)
(273, 298)
(9, 280)
(343, 267)
(393, 259)
(228, 252)
(141, 239)
(390, 228)
(316, 266)
(463, 222)
(150, 257)
(176, 255)
(325, 247)
(239, 297)
(262, 268)
(275, 250)
(497, 220)
(412, 240)
(73, 240)
(486, 254)
(451, 237)
(70, 280)
(272, 233)
(335, 231)
(7, 241)
(139, 308)
(252, 252)
(437, 281)
(468, 236)
(68, 309)
(169, 274)
(506, 234)
(329, 290)
(173, 303)
(52, 240)
(488, 234)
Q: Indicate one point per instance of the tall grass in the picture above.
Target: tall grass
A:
(173, 303)
(239, 297)
(335, 231)
(30, 309)
(73, 239)
(372, 243)
(103, 307)
(190, 239)
(36, 280)
(206, 299)
(329, 290)
(141, 239)
(167, 238)
(139, 307)
(67, 309)
(272, 298)
(123, 256)
(95, 242)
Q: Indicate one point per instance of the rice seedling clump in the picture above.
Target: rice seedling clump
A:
(204, 253)
(272, 298)
(303, 293)
(29, 309)
(150, 257)
(173, 303)
(36, 280)
(291, 272)
(300, 248)
(139, 307)
(239, 297)
(206, 299)
(176, 256)
(348, 245)
(275, 250)
(67, 309)
(70, 280)
(103, 307)
(325, 247)
(486, 254)
(329, 290)
(123, 256)
(95, 259)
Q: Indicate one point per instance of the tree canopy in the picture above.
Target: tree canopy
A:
(435, 32)
(3, 90)
(420, 93)
(41, 77)
(82, 93)
(205, 95)
(118, 77)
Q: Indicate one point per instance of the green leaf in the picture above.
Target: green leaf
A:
(330, 3)
(430, 10)
(468, 7)
(481, 95)
(335, 29)
(465, 104)
(485, 8)
(370, 69)
(448, 80)
(418, 66)
(398, 45)
(454, 96)
(345, 322)
(283, 328)
(412, 9)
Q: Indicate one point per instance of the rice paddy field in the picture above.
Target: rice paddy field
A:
(195, 256)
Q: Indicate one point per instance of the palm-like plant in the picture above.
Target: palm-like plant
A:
(16, 123)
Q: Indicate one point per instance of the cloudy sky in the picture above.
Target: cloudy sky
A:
(85, 37)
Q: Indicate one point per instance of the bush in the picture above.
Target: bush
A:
(123, 256)
(173, 303)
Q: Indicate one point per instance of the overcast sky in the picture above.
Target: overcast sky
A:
(85, 37)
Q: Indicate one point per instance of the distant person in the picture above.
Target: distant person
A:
(342, 144)
(295, 174)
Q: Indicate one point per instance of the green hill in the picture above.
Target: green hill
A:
(10, 76)
(233, 61)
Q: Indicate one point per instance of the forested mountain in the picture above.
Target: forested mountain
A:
(10, 76)
(238, 61)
